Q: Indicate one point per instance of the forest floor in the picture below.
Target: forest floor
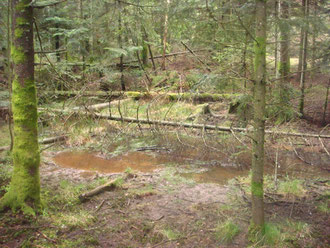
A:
(175, 187)
(187, 193)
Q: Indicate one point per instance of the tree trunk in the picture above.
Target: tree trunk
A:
(57, 40)
(82, 51)
(284, 65)
(9, 73)
(257, 224)
(301, 41)
(24, 189)
(324, 117)
(144, 46)
(120, 43)
(165, 33)
(277, 9)
(313, 64)
(304, 60)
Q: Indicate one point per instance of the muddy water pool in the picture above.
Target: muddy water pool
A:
(148, 162)
(139, 161)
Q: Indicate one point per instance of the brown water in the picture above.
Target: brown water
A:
(145, 162)
(218, 174)
(90, 162)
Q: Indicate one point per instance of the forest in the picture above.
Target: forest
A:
(144, 123)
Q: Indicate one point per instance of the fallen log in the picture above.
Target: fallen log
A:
(191, 125)
(171, 96)
(205, 126)
(43, 141)
(105, 187)
(100, 105)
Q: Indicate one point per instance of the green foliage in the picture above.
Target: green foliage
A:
(281, 109)
(118, 52)
(227, 231)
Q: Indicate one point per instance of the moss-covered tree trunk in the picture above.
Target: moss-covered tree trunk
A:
(257, 223)
(24, 189)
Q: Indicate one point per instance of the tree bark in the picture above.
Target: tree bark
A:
(304, 59)
(24, 189)
(324, 117)
(57, 41)
(313, 57)
(284, 65)
(277, 9)
(301, 41)
(120, 43)
(165, 34)
(145, 56)
(257, 223)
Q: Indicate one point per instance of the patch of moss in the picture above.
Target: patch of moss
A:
(17, 55)
(21, 21)
(18, 32)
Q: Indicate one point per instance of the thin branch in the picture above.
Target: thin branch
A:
(44, 5)
(137, 5)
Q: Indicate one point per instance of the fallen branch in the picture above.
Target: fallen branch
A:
(46, 4)
(44, 141)
(105, 187)
(201, 126)
(192, 52)
(192, 125)
(325, 149)
(99, 105)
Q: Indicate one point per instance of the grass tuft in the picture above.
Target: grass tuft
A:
(226, 231)
(292, 187)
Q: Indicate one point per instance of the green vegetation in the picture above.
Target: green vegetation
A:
(227, 231)
(291, 188)
(170, 234)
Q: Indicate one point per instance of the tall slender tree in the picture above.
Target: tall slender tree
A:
(257, 224)
(167, 4)
(24, 189)
(284, 63)
(304, 59)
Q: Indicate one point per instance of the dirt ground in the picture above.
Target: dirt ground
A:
(155, 209)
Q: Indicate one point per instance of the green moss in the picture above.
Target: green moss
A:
(21, 5)
(134, 94)
(18, 32)
(20, 21)
(24, 189)
(17, 55)
(257, 189)
(260, 52)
